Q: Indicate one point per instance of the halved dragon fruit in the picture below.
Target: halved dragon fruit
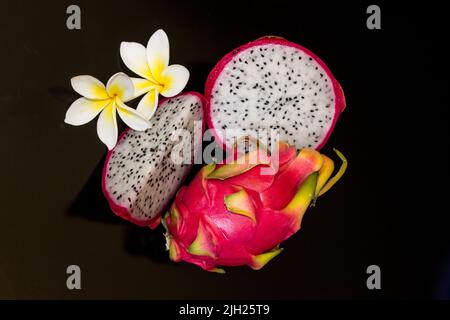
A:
(233, 214)
(273, 84)
(140, 176)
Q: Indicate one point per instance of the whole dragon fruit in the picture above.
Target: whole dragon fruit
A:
(237, 214)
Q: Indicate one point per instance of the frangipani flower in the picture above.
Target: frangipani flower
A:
(105, 100)
(152, 64)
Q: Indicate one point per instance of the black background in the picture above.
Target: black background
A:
(385, 211)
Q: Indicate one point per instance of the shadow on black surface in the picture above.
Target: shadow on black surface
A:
(146, 242)
(90, 203)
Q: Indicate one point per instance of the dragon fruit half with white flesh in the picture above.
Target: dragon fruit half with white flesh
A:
(235, 214)
(140, 177)
(273, 84)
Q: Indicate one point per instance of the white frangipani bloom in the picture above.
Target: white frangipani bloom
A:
(105, 100)
(152, 64)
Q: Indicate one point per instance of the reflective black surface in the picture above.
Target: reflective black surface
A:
(53, 213)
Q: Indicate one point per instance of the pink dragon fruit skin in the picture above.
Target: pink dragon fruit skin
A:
(231, 215)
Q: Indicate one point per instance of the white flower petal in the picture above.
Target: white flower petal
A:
(174, 79)
(89, 87)
(148, 104)
(142, 86)
(158, 53)
(107, 126)
(134, 55)
(84, 110)
(131, 117)
(120, 86)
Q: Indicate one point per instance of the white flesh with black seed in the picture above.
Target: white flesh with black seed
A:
(274, 87)
(141, 175)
